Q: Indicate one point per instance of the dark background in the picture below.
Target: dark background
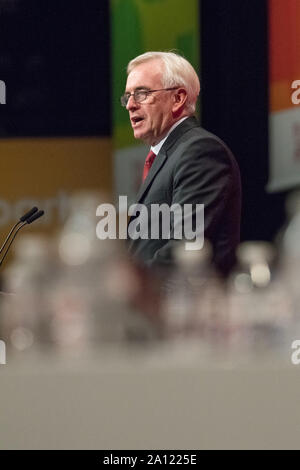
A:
(55, 55)
(234, 40)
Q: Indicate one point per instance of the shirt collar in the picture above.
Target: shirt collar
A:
(156, 148)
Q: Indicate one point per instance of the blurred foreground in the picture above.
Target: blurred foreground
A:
(102, 354)
(76, 294)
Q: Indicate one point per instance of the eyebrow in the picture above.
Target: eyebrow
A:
(138, 88)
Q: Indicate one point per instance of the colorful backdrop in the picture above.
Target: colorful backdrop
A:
(284, 118)
(139, 26)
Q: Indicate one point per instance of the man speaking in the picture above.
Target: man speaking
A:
(186, 164)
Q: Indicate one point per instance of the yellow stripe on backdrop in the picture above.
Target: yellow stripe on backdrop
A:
(45, 171)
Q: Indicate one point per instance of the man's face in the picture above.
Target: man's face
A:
(151, 119)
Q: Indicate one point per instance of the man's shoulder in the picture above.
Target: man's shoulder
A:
(190, 139)
(190, 132)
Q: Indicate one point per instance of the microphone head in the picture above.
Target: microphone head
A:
(28, 214)
(35, 216)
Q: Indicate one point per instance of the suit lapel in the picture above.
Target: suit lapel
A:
(161, 157)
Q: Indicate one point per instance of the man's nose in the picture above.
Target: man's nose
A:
(131, 104)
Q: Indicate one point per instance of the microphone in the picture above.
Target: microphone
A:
(28, 214)
(33, 217)
(21, 219)
(27, 218)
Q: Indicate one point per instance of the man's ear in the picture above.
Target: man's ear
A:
(180, 97)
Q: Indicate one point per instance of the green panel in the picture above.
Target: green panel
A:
(144, 25)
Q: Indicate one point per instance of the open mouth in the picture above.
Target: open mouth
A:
(136, 120)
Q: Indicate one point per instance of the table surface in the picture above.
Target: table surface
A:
(163, 399)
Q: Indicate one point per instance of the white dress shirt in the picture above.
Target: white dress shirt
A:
(156, 148)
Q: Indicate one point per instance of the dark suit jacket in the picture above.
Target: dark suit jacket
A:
(194, 167)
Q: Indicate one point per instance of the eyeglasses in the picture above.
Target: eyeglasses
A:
(140, 95)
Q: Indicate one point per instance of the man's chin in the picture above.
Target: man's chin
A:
(140, 135)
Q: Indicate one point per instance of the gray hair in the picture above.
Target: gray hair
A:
(177, 72)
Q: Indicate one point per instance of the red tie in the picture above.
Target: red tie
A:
(148, 163)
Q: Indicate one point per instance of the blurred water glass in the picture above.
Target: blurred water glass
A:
(73, 294)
